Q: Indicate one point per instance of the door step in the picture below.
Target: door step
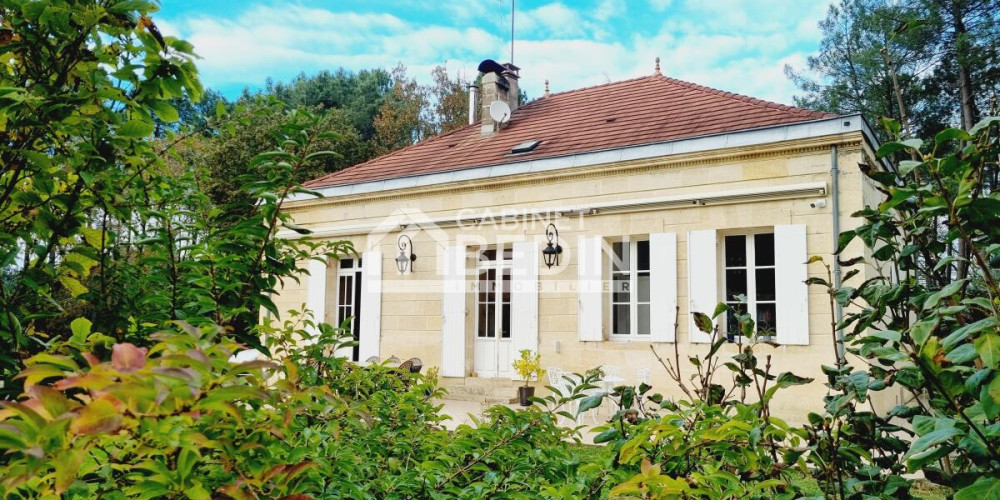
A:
(482, 390)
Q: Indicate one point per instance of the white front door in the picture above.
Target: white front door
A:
(493, 343)
(349, 300)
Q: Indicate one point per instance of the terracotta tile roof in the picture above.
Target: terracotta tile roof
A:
(627, 113)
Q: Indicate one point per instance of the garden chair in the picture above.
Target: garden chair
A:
(406, 366)
(642, 376)
(415, 365)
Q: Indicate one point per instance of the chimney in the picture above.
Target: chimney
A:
(498, 86)
(473, 102)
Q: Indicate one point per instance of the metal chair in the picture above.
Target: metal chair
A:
(560, 380)
(406, 366)
(642, 376)
(610, 371)
(372, 360)
(415, 365)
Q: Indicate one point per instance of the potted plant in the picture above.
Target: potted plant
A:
(528, 366)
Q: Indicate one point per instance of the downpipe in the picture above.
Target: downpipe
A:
(838, 310)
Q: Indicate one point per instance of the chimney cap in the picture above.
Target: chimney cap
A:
(491, 66)
(656, 71)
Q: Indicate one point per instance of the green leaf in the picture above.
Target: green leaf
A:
(985, 488)
(220, 110)
(949, 290)
(844, 239)
(67, 465)
(985, 122)
(720, 308)
(164, 111)
(951, 134)
(962, 354)
(892, 147)
(788, 379)
(99, 416)
(322, 154)
(989, 396)
(73, 285)
(38, 159)
(92, 236)
(81, 329)
(921, 330)
(606, 435)
(960, 334)
(703, 322)
(890, 335)
(137, 129)
(907, 166)
(933, 438)
(988, 347)
(589, 403)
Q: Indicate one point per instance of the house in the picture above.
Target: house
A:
(665, 197)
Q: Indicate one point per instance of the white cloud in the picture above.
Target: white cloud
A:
(610, 8)
(730, 44)
(554, 20)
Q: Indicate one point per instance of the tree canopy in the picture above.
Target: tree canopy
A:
(943, 56)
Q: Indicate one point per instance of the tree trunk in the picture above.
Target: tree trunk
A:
(966, 103)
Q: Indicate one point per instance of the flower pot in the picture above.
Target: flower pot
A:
(523, 393)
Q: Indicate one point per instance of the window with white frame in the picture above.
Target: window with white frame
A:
(630, 289)
(749, 281)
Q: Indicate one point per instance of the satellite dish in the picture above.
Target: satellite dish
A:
(500, 112)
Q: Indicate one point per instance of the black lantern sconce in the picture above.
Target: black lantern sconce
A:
(552, 250)
(405, 261)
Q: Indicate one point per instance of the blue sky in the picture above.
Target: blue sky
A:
(736, 45)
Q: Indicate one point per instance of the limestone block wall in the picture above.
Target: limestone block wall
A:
(411, 311)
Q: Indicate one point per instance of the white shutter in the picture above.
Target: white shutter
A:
(589, 264)
(524, 299)
(703, 291)
(453, 313)
(791, 290)
(371, 305)
(316, 293)
(662, 286)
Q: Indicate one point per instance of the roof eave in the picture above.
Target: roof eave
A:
(741, 138)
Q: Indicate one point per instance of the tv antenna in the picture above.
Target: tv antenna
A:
(512, 31)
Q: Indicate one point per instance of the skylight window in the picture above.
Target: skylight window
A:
(525, 147)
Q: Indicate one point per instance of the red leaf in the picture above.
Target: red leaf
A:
(127, 357)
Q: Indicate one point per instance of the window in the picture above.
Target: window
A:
(630, 289)
(748, 272)
(349, 298)
(493, 293)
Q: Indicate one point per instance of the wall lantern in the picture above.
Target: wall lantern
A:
(404, 261)
(552, 249)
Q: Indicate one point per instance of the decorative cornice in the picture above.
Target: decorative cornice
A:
(848, 141)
